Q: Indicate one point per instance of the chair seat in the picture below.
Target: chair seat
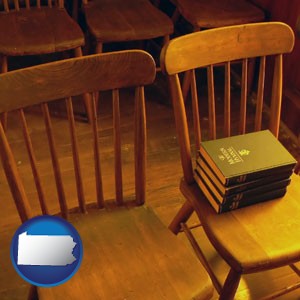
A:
(257, 237)
(119, 20)
(38, 31)
(130, 254)
(216, 13)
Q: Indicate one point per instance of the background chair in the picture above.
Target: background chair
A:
(203, 14)
(127, 250)
(259, 237)
(123, 21)
(37, 29)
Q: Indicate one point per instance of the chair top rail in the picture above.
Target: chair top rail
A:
(219, 45)
(71, 77)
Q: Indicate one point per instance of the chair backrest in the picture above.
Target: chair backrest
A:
(16, 5)
(39, 85)
(223, 46)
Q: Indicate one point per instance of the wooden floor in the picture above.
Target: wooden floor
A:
(163, 174)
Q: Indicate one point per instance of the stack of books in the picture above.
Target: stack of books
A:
(243, 170)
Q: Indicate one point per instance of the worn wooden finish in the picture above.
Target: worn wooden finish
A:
(257, 245)
(234, 42)
(123, 259)
(203, 14)
(38, 29)
(122, 21)
(118, 21)
(212, 14)
(87, 72)
(53, 30)
(259, 237)
(127, 250)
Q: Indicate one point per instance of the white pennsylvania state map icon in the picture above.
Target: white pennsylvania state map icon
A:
(45, 250)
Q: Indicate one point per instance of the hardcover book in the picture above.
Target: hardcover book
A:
(245, 195)
(205, 171)
(243, 158)
(232, 205)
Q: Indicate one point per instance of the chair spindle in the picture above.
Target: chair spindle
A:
(117, 147)
(27, 4)
(16, 4)
(276, 96)
(183, 136)
(98, 176)
(33, 163)
(6, 5)
(13, 178)
(75, 152)
(55, 162)
(260, 94)
(196, 117)
(227, 108)
(211, 103)
(243, 108)
(140, 146)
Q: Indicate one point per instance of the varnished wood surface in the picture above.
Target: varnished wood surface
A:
(87, 72)
(214, 13)
(38, 31)
(123, 259)
(125, 20)
(262, 236)
(226, 44)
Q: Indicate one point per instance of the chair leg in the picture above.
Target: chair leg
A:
(230, 286)
(251, 71)
(4, 69)
(86, 96)
(175, 16)
(181, 217)
(33, 294)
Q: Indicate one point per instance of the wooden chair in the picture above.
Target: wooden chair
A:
(128, 253)
(203, 14)
(259, 237)
(37, 29)
(123, 21)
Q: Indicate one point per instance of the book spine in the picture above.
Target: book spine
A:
(256, 175)
(246, 195)
(229, 206)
